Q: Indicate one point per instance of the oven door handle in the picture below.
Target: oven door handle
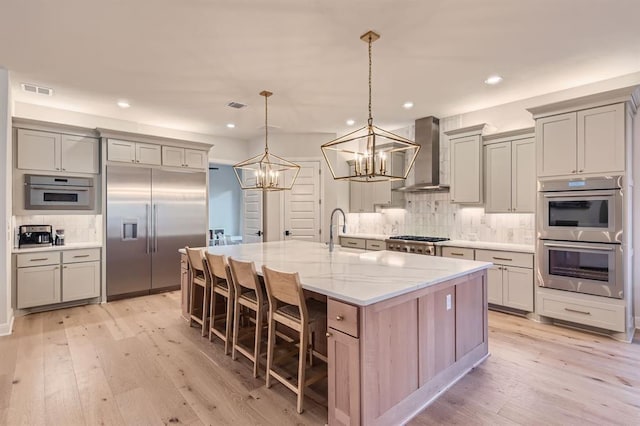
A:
(579, 246)
(580, 194)
(59, 189)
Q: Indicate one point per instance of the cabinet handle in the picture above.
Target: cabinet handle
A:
(577, 311)
(328, 334)
(39, 259)
(57, 168)
(64, 267)
(502, 258)
(581, 170)
(351, 243)
(57, 267)
(573, 171)
(339, 318)
(80, 255)
(456, 254)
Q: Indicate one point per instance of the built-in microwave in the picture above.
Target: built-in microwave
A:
(587, 209)
(591, 268)
(58, 193)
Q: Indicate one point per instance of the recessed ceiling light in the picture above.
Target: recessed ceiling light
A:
(231, 126)
(351, 122)
(407, 105)
(123, 103)
(493, 80)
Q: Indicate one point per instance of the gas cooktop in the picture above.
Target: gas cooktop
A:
(418, 238)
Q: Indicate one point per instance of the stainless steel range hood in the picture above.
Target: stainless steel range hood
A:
(427, 165)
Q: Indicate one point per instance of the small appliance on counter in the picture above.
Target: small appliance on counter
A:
(59, 238)
(34, 236)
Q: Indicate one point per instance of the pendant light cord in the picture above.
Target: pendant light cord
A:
(370, 121)
(266, 127)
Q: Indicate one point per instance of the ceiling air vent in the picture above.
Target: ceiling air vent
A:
(40, 90)
(236, 105)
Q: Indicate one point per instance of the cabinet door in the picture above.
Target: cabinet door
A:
(38, 150)
(173, 156)
(381, 193)
(344, 378)
(523, 176)
(80, 281)
(148, 154)
(355, 197)
(601, 140)
(38, 286)
(466, 176)
(557, 145)
(80, 154)
(494, 285)
(196, 159)
(518, 288)
(498, 177)
(124, 151)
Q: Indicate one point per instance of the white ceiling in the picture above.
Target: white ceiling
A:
(179, 62)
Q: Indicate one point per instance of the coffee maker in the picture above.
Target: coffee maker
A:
(34, 236)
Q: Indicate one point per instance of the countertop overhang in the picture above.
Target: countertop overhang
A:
(69, 246)
(351, 275)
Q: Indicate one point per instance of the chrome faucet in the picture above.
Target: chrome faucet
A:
(344, 226)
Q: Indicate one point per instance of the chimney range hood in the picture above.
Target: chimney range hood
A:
(427, 165)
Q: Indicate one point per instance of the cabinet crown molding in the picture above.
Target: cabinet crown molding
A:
(630, 94)
(156, 140)
(476, 129)
(47, 126)
(510, 135)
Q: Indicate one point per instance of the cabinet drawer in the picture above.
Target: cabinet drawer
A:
(342, 317)
(87, 255)
(458, 253)
(375, 245)
(38, 259)
(507, 258)
(353, 242)
(601, 314)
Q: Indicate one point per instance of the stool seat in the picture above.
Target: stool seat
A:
(316, 309)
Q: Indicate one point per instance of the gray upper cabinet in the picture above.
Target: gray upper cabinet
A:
(134, 152)
(184, 157)
(466, 169)
(55, 152)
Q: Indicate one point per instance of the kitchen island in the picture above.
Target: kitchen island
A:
(402, 328)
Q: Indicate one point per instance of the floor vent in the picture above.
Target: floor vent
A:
(40, 90)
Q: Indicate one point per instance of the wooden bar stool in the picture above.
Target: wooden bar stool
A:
(288, 306)
(221, 285)
(199, 280)
(248, 294)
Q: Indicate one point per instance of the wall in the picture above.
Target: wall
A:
(225, 150)
(225, 200)
(6, 313)
(77, 228)
(303, 146)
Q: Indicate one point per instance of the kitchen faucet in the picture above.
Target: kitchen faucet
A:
(344, 226)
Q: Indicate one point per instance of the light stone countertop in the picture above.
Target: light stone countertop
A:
(351, 275)
(69, 246)
(380, 237)
(522, 248)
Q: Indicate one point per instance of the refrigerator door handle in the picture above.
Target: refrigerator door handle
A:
(147, 214)
(155, 228)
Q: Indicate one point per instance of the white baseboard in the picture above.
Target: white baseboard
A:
(7, 328)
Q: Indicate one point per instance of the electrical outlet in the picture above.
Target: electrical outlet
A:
(448, 302)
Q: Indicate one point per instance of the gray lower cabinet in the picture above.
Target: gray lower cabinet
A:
(47, 278)
(510, 279)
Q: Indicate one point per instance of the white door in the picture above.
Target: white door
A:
(251, 212)
(302, 204)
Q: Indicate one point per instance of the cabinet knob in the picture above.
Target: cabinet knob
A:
(514, 209)
(133, 161)
(328, 334)
(581, 170)
(573, 171)
(57, 168)
(339, 318)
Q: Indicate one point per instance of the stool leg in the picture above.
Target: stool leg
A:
(212, 300)
(256, 350)
(228, 325)
(205, 310)
(301, 369)
(270, 343)
(236, 326)
(311, 335)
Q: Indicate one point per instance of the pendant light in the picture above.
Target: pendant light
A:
(370, 154)
(266, 171)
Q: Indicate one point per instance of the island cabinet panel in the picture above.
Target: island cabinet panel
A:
(184, 286)
(437, 333)
(344, 378)
(471, 318)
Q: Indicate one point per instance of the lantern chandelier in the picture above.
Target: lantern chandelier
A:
(370, 154)
(266, 172)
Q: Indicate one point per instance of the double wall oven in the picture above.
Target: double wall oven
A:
(580, 230)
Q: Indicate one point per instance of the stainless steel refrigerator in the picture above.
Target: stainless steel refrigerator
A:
(151, 213)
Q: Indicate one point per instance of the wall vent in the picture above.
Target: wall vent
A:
(236, 105)
(40, 90)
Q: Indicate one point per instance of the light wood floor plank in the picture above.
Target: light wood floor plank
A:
(138, 362)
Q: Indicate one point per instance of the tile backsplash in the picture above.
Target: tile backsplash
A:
(77, 228)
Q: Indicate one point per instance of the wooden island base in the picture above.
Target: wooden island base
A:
(389, 360)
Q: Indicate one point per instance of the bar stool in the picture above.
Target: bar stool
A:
(199, 280)
(288, 306)
(220, 278)
(247, 294)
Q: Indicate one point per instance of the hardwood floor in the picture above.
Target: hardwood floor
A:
(137, 362)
